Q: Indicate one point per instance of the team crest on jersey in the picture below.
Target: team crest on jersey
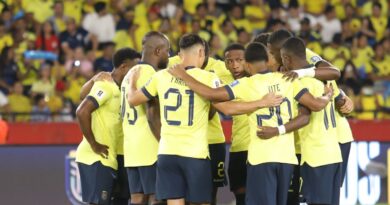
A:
(315, 59)
(234, 83)
(72, 179)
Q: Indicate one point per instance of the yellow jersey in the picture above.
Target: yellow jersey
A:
(344, 133)
(240, 127)
(184, 114)
(106, 124)
(215, 133)
(140, 145)
(280, 149)
(319, 142)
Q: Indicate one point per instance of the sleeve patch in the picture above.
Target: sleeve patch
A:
(234, 83)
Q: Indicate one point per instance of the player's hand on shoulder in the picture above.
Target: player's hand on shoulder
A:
(271, 100)
(102, 76)
(177, 70)
(264, 132)
(134, 74)
(290, 75)
(328, 90)
(348, 106)
(100, 149)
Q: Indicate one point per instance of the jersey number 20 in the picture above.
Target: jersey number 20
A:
(272, 111)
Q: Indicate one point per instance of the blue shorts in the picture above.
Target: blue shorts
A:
(268, 183)
(237, 170)
(217, 157)
(345, 149)
(97, 183)
(184, 177)
(121, 185)
(321, 185)
(142, 179)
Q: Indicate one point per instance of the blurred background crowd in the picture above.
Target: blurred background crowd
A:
(354, 35)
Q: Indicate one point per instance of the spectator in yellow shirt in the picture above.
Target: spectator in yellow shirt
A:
(5, 38)
(361, 51)
(379, 22)
(207, 21)
(243, 37)
(227, 34)
(336, 53)
(19, 103)
(315, 8)
(58, 19)
(257, 12)
(45, 84)
(238, 19)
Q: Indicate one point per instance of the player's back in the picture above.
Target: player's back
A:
(277, 149)
(319, 145)
(105, 124)
(343, 129)
(140, 145)
(184, 114)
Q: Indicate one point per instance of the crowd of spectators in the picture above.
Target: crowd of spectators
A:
(354, 35)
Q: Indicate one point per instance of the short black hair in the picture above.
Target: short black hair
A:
(200, 5)
(99, 6)
(262, 38)
(279, 36)
(124, 54)
(328, 9)
(234, 46)
(38, 98)
(152, 34)
(206, 54)
(296, 46)
(189, 40)
(255, 52)
(337, 39)
(377, 4)
(226, 21)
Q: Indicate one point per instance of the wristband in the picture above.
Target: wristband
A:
(281, 129)
(306, 72)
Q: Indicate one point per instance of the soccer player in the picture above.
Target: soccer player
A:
(141, 124)
(234, 61)
(321, 155)
(121, 193)
(98, 116)
(183, 168)
(270, 161)
(215, 135)
(322, 71)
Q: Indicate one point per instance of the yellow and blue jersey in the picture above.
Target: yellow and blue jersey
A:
(278, 149)
(343, 132)
(215, 133)
(184, 114)
(106, 125)
(319, 143)
(140, 145)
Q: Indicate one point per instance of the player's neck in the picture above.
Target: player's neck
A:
(299, 63)
(188, 61)
(261, 67)
(150, 60)
(117, 77)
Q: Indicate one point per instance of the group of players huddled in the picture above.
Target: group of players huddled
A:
(152, 134)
